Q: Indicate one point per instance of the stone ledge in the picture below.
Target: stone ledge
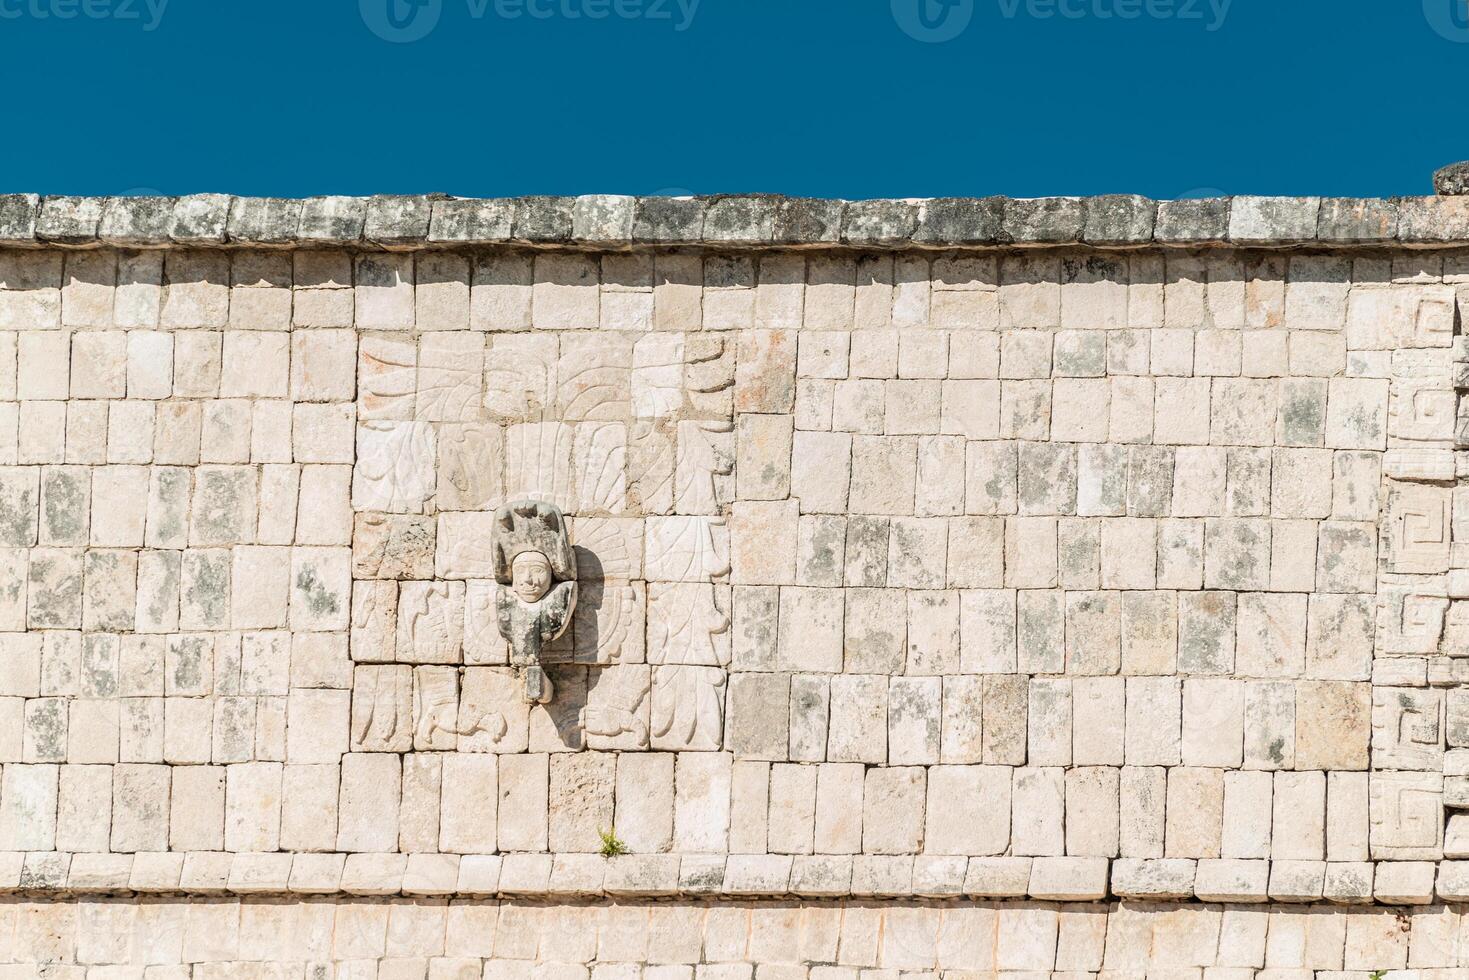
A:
(727, 221)
(748, 877)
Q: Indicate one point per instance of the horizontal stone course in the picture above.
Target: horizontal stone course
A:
(814, 940)
(395, 222)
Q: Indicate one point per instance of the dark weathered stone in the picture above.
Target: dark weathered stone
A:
(1259, 220)
(333, 220)
(543, 219)
(200, 219)
(1350, 219)
(469, 220)
(70, 220)
(961, 221)
(1430, 220)
(879, 222)
(264, 221)
(136, 220)
(1045, 220)
(603, 218)
(1453, 180)
(1119, 219)
(741, 220)
(669, 220)
(18, 213)
(1192, 221)
(397, 219)
(807, 221)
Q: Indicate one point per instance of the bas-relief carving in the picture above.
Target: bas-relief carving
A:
(470, 460)
(382, 708)
(430, 622)
(688, 708)
(582, 468)
(657, 375)
(395, 467)
(594, 375)
(536, 568)
(616, 715)
(493, 712)
(450, 378)
(435, 709)
(593, 427)
(1418, 529)
(1406, 816)
(1407, 729)
(374, 628)
(387, 378)
(520, 376)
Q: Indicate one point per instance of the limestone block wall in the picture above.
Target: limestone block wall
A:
(1062, 573)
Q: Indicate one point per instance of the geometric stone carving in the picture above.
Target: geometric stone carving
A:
(1420, 465)
(1418, 529)
(1406, 816)
(1422, 414)
(1407, 729)
(1409, 621)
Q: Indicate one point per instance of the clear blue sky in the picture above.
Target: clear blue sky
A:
(821, 97)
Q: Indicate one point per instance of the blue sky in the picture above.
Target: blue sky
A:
(833, 98)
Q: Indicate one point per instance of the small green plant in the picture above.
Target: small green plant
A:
(1376, 975)
(612, 847)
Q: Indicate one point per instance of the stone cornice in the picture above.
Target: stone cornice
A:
(727, 222)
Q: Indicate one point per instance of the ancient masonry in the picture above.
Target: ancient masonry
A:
(733, 588)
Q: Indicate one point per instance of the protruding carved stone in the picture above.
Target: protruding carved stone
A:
(536, 567)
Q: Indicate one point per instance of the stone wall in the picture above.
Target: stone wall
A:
(226, 939)
(1042, 573)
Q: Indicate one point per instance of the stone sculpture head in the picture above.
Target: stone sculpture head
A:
(530, 575)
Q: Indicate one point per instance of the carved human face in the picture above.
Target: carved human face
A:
(530, 576)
